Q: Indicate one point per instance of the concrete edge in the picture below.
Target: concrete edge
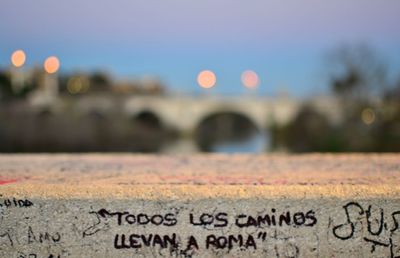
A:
(192, 192)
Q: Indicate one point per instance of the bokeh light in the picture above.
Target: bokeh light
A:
(18, 58)
(250, 79)
(368, 116)
(206, 79)
(78, 84)
(51, 64)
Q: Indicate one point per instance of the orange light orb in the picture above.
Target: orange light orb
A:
(250, 79)
(51, 64)
(18, 58)
(206, 79)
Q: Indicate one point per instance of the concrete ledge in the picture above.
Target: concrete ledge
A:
(203, 206)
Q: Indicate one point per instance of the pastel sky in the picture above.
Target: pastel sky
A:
(283, 41)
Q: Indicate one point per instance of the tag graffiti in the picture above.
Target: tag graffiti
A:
(376, 226)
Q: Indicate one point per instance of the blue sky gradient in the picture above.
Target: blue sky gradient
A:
(283, 41)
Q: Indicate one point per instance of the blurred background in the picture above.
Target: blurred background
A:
(200, 76)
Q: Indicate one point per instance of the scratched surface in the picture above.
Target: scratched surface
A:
(203, 169)
(201, 175)
(123, 205)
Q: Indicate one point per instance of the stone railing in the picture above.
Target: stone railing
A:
(124, 205)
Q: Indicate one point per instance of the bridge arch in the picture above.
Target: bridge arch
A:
(147, 119)
(229, 130)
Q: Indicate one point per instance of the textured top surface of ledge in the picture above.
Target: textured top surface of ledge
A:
(237, 176)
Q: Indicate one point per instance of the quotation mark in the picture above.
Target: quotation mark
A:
(262, 236)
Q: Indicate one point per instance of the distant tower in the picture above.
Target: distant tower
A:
(50, 83)
(48, 90)
(18, 58)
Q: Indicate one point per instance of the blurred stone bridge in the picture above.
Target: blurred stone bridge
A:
(192, 122)
(186, 113)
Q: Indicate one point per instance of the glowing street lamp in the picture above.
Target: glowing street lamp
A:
(18, 58)
(206, 79)
(51, 64)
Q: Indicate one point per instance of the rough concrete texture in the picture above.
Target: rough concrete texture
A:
(203, 206)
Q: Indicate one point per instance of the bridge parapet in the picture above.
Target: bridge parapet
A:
(199, 206)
